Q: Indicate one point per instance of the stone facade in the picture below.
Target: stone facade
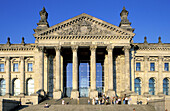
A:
(83, 37)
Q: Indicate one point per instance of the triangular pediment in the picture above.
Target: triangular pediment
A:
(84, 25)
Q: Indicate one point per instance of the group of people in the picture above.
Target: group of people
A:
(110, 100)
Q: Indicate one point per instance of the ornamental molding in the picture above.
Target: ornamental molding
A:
(152, 46)
(83, 37)
(139, 59)
(153, 58)
(85, 26)
(17, 47)
(166, 59)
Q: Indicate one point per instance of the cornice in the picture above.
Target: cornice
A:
(17, 47)
(152, 46)
(82, 37)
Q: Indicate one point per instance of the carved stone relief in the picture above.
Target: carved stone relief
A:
(84, 27)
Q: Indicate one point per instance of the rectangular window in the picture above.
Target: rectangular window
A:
(166, 67)
(15, 67)
(30, 67)
(1, 67)
(152, 66)
(138, 66)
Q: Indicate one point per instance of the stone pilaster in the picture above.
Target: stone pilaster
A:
(146, 81)
(8, 77)
(22, 76)
(127, 67)
(93, 92)
(75, 92)
(160, 79)
(57, 93)
(111, 92)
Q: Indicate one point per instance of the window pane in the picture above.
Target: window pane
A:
(165, 86)
(2, 87)
(152, 66)
(30, 66)
(15, 67)
(1, 67)
(138, 86)
(138, 66)
(166, 67)
(152, 86)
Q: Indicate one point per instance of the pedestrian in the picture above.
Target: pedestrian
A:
(63, 102)
(46, 105)
(89, 101)
(133, 109)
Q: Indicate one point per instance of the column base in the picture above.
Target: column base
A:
(22, 94)
(111, 93)
(74, 94)
(57, 95)
(146, 94)
(160, 94)
(93, 94)
(7, 95)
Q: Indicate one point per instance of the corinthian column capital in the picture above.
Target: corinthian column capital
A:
(93, 47)
(57, 48)
(40, 48)
(126, 48)
(74, 48)
(109, 48)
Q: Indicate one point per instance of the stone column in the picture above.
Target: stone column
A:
(133, 70)
(106, 73)
(146, 80)
(160, 79)
(22, 76)
(57, 93)
(41, 69)
(93, 92)
(75, 92)
(8, 77)
(111, 92)
(127, 71)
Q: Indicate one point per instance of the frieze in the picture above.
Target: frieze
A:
(83, 43)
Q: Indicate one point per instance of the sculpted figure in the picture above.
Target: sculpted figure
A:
(44, 15)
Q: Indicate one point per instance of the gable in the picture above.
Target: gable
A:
(84, 25)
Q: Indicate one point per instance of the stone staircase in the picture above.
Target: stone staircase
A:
(72, 105)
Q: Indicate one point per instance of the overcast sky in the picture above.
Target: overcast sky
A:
(150, 18)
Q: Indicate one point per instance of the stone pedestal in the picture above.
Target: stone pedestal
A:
(93, 94)
(57, 95)
(111, 93)
(74, 94)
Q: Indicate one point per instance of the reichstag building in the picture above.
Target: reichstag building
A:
(84, 57)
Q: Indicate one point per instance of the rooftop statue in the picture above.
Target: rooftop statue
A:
(43, 15)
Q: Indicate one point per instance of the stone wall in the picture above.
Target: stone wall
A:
(7, 105)
(159, 105)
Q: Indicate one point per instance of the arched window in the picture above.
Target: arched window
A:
(165, 86)
(138, 86)
(151, 86)
(2, 87)
(30, 86)
(16, 87)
